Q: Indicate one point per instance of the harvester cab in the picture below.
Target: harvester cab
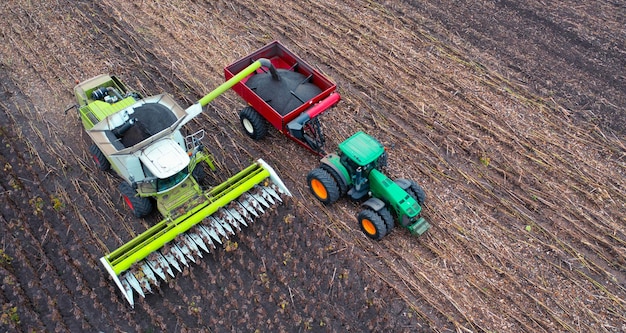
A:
(140, 139)
(355, 171)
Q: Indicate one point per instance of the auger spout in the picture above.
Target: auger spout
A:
(196, 108)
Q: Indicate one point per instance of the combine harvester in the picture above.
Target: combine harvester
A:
(140, 139)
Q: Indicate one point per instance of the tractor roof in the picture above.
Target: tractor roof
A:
(362, 148)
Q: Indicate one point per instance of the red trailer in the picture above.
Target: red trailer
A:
(285, 92)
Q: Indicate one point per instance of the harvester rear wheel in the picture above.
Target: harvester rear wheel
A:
(387, 217)
(98, 157)
(138, 205)
(417, 193)
(253, 124)
(372, 224)
(323, 186)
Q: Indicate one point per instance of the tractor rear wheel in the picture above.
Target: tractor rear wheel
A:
(372, 224)
(417, 193)
(343, 187)
(387, 217)
(323, 186)
(253, 124)
(98, 157)
(138, 205)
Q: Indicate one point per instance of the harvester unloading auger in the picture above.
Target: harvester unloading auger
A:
(140, 139)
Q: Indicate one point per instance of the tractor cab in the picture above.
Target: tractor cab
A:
(360, 154)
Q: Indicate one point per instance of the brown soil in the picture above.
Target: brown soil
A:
(510, 115)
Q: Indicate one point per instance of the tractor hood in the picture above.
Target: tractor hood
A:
(164, 158)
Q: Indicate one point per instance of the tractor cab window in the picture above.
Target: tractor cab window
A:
(348, 163)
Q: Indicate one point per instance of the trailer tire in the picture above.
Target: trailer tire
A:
(98, 157)
(417, 193)
(138, 205)
(372, 224)
(253, 124)
(323, 186)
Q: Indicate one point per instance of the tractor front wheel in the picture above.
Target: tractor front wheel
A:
(98, 157)
(138, 205)
(323, 186)
(372, 224)
(253, 124)
(417, 193)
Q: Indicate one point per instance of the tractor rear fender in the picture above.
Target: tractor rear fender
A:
(374, 203)
(333, 161)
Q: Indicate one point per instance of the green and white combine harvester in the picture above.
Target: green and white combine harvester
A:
(140, 139)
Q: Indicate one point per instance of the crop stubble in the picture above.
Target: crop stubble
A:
(527, 200)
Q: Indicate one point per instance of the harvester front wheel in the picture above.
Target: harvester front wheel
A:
(323, 186)
(253, 124)
(138, 205)
(372, 224)
(98, 157)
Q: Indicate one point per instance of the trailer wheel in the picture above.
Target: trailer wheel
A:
(417, 193)
(138, 205)
(372, 224)
(253, 124)
(387, 217)
(98, 157)
(323, 186)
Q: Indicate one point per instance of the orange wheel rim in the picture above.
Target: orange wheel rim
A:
(368, 226)
(319, 189)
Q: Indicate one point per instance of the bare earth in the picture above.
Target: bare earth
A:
(511, 115)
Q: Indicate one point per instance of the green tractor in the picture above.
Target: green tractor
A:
(355, 171)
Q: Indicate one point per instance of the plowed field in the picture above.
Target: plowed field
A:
(511, 116)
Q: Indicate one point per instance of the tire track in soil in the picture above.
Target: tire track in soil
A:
(63, 268)
(542, 43)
